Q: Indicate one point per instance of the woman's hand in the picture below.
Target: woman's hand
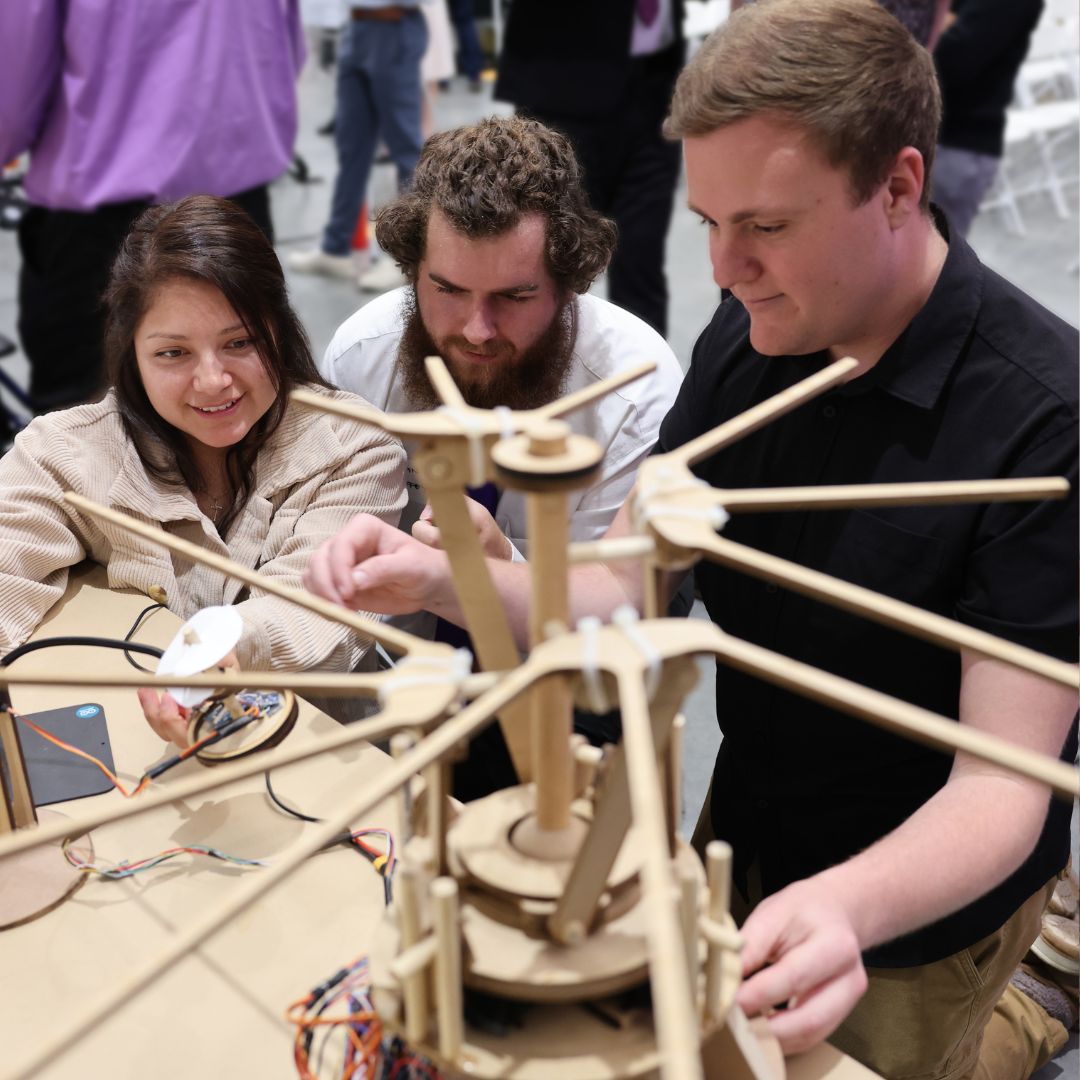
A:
(168, 719)
(167, 716)
(492, 540)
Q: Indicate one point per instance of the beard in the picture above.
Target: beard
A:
(519, 379)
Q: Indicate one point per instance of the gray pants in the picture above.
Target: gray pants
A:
(961, 179)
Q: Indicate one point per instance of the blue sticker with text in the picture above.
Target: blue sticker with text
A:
(84, 712)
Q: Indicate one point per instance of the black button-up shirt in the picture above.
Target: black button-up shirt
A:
(982, 384)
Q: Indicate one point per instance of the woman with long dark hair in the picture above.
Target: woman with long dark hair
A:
(197, 435)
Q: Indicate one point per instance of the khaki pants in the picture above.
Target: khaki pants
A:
(950, 1020)
(958, 1017)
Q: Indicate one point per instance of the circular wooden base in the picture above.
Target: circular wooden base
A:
(484, 855)
(604, 1042)
(40, 879)
(262, 734)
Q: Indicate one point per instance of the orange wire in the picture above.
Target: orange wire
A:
(81, 753)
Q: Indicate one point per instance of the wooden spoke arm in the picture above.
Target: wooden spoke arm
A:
(205, 925)
(580, 398)
(742, 425)
(387, 635)
(883, 609)
(485, 616)
(673, 1007)
(898, 716)
(851, 495)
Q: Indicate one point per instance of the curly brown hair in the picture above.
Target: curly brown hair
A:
(844, 70)
(483, 179)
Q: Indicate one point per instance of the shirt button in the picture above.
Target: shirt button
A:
(763, 804)
(772, 588)
(829, 412)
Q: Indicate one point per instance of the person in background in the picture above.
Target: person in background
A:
(602, 74)
(499, 246)
(379, 98)
(978, 58)
(196, 434)
(888, 891)
(124, 104)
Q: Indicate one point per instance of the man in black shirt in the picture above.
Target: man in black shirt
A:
(809, 129)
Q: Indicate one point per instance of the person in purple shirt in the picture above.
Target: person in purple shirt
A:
(124, 104)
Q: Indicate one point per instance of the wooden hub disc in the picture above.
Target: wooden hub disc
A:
(40, 879)
(481, 844)
(261, 734)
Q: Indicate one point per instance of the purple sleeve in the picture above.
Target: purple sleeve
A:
(31, 49)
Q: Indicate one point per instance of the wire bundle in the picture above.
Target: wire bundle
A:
(125, 868)
(363, 1031)
(366, 1056)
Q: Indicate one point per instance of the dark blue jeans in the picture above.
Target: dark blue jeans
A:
(378, 95)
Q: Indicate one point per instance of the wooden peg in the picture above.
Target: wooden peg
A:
(718, 869)
(415, 984)
(448, 995)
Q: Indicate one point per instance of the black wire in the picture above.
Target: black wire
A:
(288, 809)
(104, 643)
(131, 633)
(48, 643)
(346, 838)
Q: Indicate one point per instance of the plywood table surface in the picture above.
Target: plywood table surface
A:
(220, 1011)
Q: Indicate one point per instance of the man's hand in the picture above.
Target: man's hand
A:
(492, 540)
(805, 934)
(168, 719)
(372, 566)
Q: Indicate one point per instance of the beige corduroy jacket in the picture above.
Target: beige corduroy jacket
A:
(311, 477)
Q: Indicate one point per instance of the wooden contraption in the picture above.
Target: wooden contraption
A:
(564, 911)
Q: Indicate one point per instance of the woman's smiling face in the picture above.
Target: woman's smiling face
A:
(201, 370)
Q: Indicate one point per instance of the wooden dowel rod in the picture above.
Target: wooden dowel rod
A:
(738, 427)
(448, 994)
(673, 1007)
(414, 984)
(893, 715)
(718, 872)
(883, 609)
(15, 782)
(673, 771)
(579, 398)
(382, 632)
(435, 782)
(443, 382)
(551, 709)
(852, 495)
(394, 717)
(204, 925)
(689, 901)
(400, 744)
(718, 934)
(349, 684)
(625, 547)
(416, 958)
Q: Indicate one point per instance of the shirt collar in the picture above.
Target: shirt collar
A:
(916, 367)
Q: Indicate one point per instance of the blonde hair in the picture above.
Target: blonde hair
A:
(845, 71)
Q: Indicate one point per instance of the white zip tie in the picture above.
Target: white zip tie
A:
(625, 618)
(643, 510)
(589, 629)
(454, 669)
(505, 415)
